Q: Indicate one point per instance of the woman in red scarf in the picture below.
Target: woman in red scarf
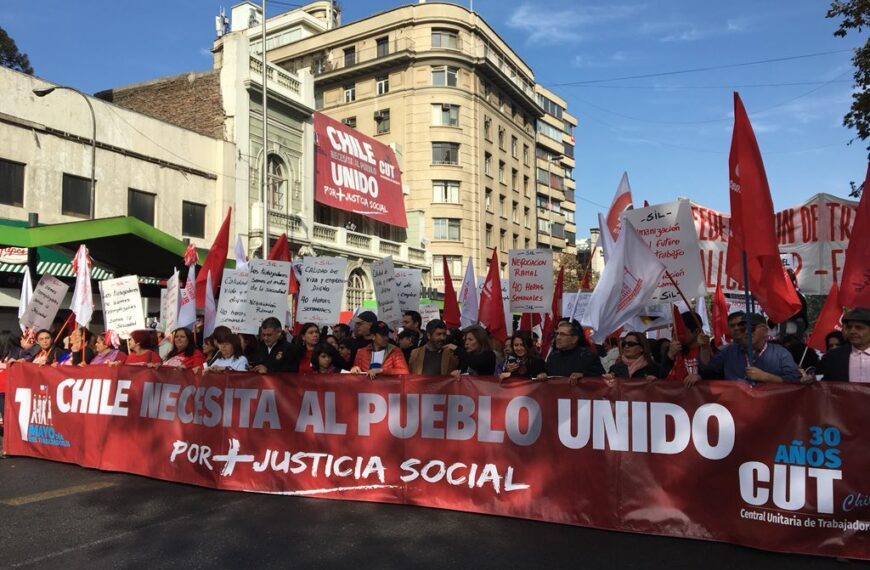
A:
(634, 359)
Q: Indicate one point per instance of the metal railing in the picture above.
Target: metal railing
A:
(340, 60)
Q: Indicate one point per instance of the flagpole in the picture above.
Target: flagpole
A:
(686, 301)
(588, 265)
(746, 296)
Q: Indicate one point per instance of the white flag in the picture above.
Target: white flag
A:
(82, 303)
(187, 301)
(210, 308)
(26, 295)
(241, 256)
(626, 284)
(468, 296)
(605, 241)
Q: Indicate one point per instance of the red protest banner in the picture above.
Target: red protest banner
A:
(779, 467)
(356, 173)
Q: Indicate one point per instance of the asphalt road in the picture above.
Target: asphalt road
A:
(55, 515)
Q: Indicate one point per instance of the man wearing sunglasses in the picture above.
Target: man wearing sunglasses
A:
(769, 363)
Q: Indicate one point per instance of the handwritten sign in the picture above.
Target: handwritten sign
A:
(384, 277)
(320, 290)
(574, 304)
(232, 309)
(169, 309)
(429, 312)
(122, 304)
(530, 273)
(408, 288)
(44, 304)
(669, 231)
(267, 290)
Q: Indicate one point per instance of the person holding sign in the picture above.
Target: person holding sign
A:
(523, 361)
(48, 353)
(381, 357)
(273, 351)
(140, 354)
(184, 353)
(229, 356)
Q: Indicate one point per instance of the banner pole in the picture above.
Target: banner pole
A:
(804, 355)
(686, 301)
(746, 296)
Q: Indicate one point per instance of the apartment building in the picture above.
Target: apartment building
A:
(458, 106)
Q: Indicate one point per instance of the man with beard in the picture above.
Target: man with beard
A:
(432, 358)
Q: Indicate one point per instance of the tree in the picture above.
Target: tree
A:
(573, 271)
(10, 56)
(855, 15)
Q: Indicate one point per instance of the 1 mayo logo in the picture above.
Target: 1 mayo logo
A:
(35, 417)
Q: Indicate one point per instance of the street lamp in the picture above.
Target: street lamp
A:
(45, 91)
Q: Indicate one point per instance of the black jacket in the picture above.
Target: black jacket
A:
(476, 363)
(835, 364)
(530, 368)
(578, 359)
(278, 360)
(620, 370)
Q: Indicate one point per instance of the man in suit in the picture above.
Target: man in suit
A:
(851, 362)
(432, 358)
(273, 351)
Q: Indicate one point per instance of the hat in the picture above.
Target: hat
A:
(366, 317)
(381, 328)
(861, 314)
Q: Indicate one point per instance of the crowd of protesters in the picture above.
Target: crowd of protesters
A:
(373, 348)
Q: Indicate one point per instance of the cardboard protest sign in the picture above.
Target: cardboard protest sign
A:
(232, 309)
(122, 304)
(669, 231)
(267, 291)
(169, 308)
(44, 304)
(429, 312)
(384, 277)
(574, 304)
(530, 274)
(321, 289)
(408, 288)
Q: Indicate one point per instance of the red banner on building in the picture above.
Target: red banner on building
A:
(356, 173)
(779, 467)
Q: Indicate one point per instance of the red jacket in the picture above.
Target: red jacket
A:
(394, 360)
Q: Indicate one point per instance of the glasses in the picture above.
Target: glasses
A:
(629, 344)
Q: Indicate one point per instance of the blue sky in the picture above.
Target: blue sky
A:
(670, 132)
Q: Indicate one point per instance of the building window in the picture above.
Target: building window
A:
(357, 291)
(525, 154)
(487, 164)
(350, 122)
(76, 198)
(488, 235)
(543, 176)
(501, 138)
(487, 128)
(445, 191)
(550, 131)
(526, 217)
(383, 46)
(487, 200)
(140, 205)
(318, 100)
(501, 171)
(12, 183)
(446, 229)
(569, 149)
(486, 89)
(382, 84)
(543, 226)
(445, 153)
(349, 56)
(501, 209)
(502, 242)
(276, 181)
(569, 173)
(525, 186)
(447, 39)
(382, 120)
(516, 241)
(514, 177)
(192, 220)
(445, 75)
(454, 265)
(514, 212)
(515, 147)
(445, 115)
(350, 92)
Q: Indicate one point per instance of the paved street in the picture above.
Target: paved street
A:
(62, 516)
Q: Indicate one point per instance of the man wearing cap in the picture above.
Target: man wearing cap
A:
(380, 357)
(851, 362)
(432, 358)
(769, 363)
(362, 331)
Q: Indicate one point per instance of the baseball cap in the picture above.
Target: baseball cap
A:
(381, 328)
(366, 317)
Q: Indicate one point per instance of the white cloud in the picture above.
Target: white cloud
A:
(591, 61)
(565, 26)
(676, 30)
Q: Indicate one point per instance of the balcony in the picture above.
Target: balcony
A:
(507, 76)
(342, 241)
(282, 83)
(291, 224)
(340, 65)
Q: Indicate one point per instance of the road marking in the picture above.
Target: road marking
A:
(56, 493)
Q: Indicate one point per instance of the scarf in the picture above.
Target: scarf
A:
(635, 364)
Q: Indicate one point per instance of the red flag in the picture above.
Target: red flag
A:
(491, 306)
(721, 332)
(829, 319)
(855, 291)
(281, 250)
(621, 202)
(190, 255)
(753, 225)
(679, 326)
(528, 321)
(646, 204)
(555, 313)
(214, 261)
(450, 313)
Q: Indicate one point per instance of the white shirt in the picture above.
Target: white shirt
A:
(859, 365)
(239, 363)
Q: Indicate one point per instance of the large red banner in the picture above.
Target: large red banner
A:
(775, 467)
(356, 173)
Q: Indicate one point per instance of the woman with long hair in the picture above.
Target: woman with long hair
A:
(184, 353)
(229, 354)
(476, 357)
(523, 361)
(634, 360)
(303, 347)
(80, 340)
